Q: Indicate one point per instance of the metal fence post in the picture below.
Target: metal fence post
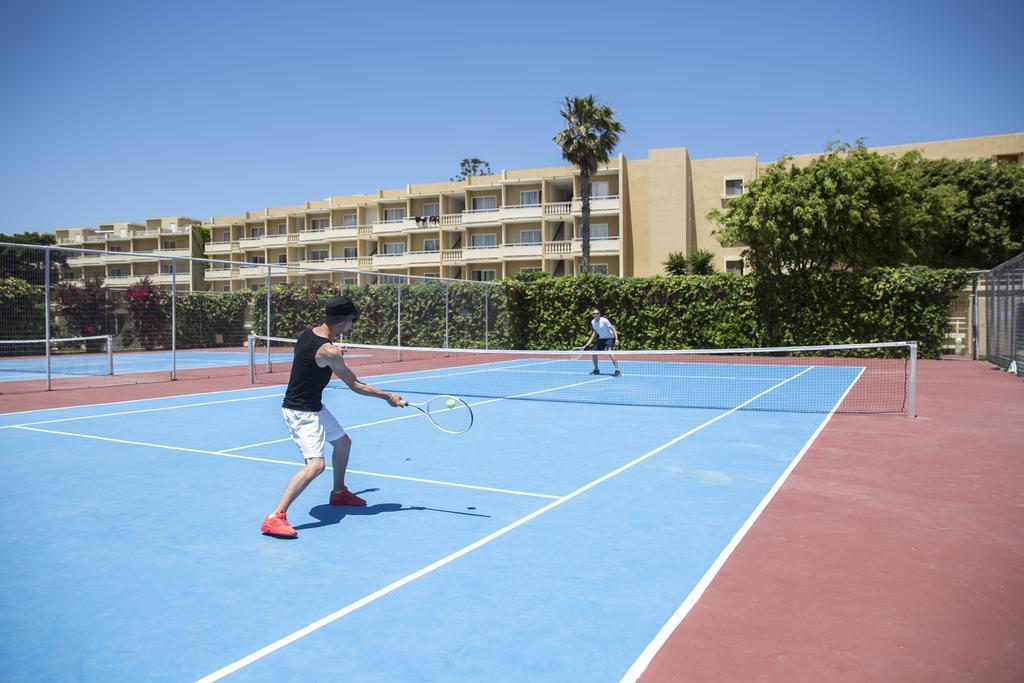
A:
(912, 388)
(46, 316)
(174, 319)
(487, 316)
(446, 318)
(269, 367)
(251, 342)
(399, 286)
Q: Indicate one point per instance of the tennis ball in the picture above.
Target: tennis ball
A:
(450, 403)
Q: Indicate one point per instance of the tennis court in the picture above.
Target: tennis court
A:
(553, 541)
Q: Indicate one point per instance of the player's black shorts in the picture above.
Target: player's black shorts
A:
(603, 344)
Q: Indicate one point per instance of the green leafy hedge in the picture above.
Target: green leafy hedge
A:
(22, 310)
(724, 311)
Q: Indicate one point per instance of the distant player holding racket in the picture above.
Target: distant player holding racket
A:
(310, 423)
(607, 337)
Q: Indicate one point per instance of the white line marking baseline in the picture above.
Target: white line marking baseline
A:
(395, 585)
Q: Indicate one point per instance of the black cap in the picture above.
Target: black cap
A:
(339, 307)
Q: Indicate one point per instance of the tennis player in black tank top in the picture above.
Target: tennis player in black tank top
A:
(310, 423)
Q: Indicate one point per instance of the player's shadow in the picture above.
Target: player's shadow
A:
(333, 514)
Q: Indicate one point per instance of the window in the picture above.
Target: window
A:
(734, 266)
(226, 288)
(485, 203)
(600, 268)
(348, 220)
(349, 281)
(319, 224)
(392, 279)
(170, 244)
(115, 272)
(394, 247)
(256, 232)
(598, 231)
(318, 255)
(529, 236)
(599, 188)
(529, 270)
(529, 198)
(348, 252)
(282, 258)
(484, 275)
(431, 245)
(166, 269)
(113, 248)
(733, 187)
(255, 287)
(257, 259)
(394, 215)
(300, 224)
(433, 275)
(487, 239)
(432, 209)
(282, 228)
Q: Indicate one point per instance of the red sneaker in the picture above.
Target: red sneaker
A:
(346, 497)
(277, 525)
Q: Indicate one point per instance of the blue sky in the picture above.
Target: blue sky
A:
(119, 111)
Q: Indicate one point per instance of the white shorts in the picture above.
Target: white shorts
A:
(311, 431)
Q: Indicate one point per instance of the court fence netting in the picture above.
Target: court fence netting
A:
(75, 317)
(860, 378)
(1001, 302)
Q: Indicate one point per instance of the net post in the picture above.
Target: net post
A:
(110, 354)
(174, 319)
(974, 318)
(46, 317)
(252, 358)
(912, 383)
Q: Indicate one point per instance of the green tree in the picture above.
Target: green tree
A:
(472, 167)
(982, 221)
(590, 136)
(702, 263)
(26, 263)
(677, 263)
(850, 209)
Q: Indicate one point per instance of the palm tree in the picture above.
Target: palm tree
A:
(588, 139)
(677, 263)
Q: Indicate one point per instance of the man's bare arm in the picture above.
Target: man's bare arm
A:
(330, 356)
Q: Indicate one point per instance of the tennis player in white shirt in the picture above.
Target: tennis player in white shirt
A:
(607, 337)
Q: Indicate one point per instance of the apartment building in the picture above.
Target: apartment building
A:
(481, 228)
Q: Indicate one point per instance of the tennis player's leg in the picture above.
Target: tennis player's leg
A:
(342, 445)
(310, 435)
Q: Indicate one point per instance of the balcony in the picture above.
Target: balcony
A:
(172, 252)
(451, 256)
(521, 212)
(481, 217)
(407, 259)
(451, 221)
(221, 247)
(121, 280)
(491, 252)
(530, 250)
(393, 227)
(602, 246)
(328, 234)
(253, 270)
(598, 205)
(220, 274)
(330, 263)
(87, 260)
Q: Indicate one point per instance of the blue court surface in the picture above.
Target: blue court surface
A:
(552, 542)
(15, 369)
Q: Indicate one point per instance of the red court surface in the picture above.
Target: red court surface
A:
(894, 551)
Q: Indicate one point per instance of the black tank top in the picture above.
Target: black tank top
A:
(307, 381)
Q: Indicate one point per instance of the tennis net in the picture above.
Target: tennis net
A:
(861, 378)
(57, 356)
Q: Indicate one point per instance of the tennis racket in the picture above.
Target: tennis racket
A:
(577, 352)
(448, 413)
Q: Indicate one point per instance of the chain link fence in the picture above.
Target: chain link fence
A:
(1001, 306)
(70, 318)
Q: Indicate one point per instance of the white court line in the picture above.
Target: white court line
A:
(677, 617)
(395, 585)
(225, 454)
(418, 414)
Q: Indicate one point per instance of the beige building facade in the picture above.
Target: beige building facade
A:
(481, 228)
